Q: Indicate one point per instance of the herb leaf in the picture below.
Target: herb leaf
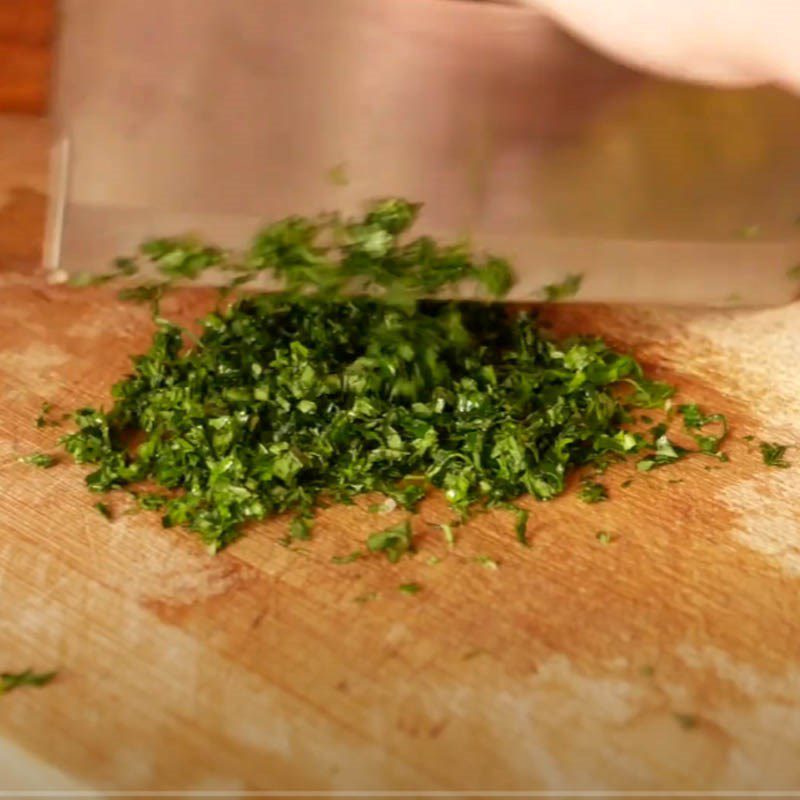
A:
(773, 454)
(592, 492)
(348, 559)
(14, 680)
(694, 420)
(41, 460)
(569, 287)
(521, 526)
(666, 452)
(395, 541)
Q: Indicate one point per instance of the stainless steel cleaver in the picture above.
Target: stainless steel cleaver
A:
(214, 116)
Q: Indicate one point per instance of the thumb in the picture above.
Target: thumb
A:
(729, 43)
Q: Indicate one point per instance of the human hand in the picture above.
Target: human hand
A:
(722, 42)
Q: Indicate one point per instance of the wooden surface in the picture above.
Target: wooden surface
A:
(26, 34)
(257, 669)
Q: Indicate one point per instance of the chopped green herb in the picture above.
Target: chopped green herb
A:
(348, 559)
(751, 231)
(44, 419)
(686, 721)
(649, 394)
(150, 501)
(434, 560)
(592, 492)
(386, 507)
(449, 536)
(626, 483)
(604, 537)
(569, 287)
(395, 541)
(286, 542)
(103, 509)
(666, 452)
(479, 651)
(337, 175)
(147, 293)
(748, 438)
(694, 419)
(410, 588)
(300, 528)
(41, 460)
(350, 381)
(487, 563)
(647, 671)
(692, 416)
(521, 526)
(14, 680)
(84, 279)
(773, 454)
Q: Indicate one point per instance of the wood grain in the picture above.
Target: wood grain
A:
(26, 35)
(572, 666)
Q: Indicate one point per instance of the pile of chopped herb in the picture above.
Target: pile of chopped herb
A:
(317, 394)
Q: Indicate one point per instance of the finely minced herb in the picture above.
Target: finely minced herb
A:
(352, 380)
(592, 492)
(487, 563)
(521, 526)
(569, 287)
(647, 671)
(15, 680)
(46, 419)
(337, 175)
(410, 588)
(751, 231)
(103, 510)
(395, 542)
(694, 421)
(41, 460)
(348, 559)
(449, 534)
(666, 452)
(774, 454)
(686, 721)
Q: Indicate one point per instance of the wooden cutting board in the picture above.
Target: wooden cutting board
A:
(668, 659)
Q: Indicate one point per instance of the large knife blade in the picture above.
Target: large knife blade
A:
(214, 116)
